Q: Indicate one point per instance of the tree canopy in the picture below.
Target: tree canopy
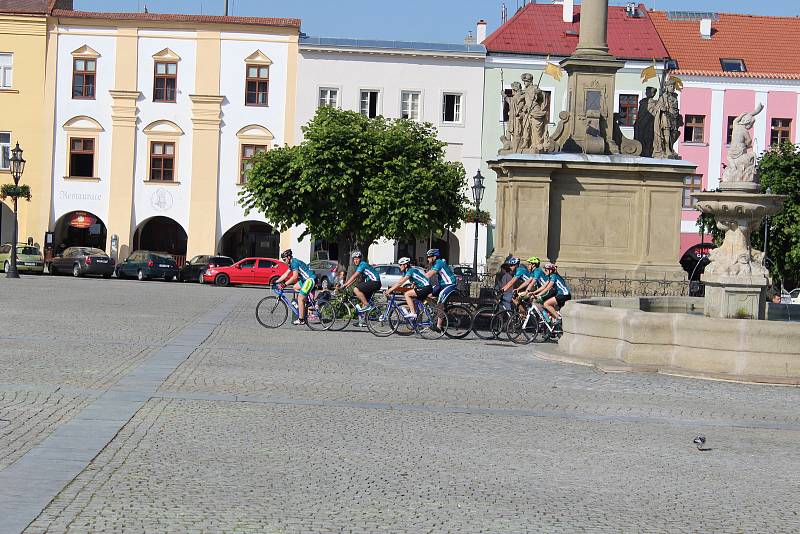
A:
(360, 179)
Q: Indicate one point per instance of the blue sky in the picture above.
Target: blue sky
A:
(418, 20)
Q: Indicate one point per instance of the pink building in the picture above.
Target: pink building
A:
(729, 64)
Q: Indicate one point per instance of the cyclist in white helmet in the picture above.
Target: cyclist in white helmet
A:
(422, 285)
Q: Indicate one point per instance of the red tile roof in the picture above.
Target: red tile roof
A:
(539, 29)
(173, 17)
(24, 6)
(769, 46)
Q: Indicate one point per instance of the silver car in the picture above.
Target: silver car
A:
(390, 274)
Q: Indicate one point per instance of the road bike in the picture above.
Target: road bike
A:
(536, 324)
(386, 319)
(489, 322)
(344, 304)
(273, 310)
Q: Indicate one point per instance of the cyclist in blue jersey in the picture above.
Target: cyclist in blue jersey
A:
(369, 284)
(303, 279)
(556, 292)
(447, 280)
(519, 274)
(536, 279)
(422, 285)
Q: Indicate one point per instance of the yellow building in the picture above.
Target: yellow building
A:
(25, 114)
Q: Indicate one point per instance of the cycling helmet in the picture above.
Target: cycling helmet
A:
(534, 259)
(286, 254)
(550, 266)
(355, 254)
(435, 252)
(513, 261)
(404, 261)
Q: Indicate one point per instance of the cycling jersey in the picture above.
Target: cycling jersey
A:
(540, 277)
(416, 275)
(300, 267)
(368, 272)
(559, 284)
(446, 276)
(523, 274)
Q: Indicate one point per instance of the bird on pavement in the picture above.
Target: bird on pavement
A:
(699, 441)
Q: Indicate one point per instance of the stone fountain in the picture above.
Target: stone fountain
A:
(736, 279)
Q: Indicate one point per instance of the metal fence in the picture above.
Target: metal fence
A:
(608, 286)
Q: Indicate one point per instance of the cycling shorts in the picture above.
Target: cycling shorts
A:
(443, 292)
(562, 299)
(423, 292)
(368, 288)
(307, 286)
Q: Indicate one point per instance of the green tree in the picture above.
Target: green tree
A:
(359, 179)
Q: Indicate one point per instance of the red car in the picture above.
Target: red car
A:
(250, 271)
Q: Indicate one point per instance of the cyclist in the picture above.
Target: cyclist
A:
(370, 281)
(422, 286)
(303, 279)
(536, 279)
(520, 273)
(556, 292)
(447, 280)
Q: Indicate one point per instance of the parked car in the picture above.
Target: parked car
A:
(195, 268)
(390, 274)
(29, 258)
(249, 271)
(144, 264)
(81, 261)
(326, 271)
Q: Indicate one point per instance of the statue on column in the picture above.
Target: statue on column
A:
(667, 122)
(643, 127)
(535, 137)
(742, 163)
(515, 102)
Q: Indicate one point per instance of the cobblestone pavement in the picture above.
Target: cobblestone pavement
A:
(299, 431)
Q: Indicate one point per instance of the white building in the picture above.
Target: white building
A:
(437, 83)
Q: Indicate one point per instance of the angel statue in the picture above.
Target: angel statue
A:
(741, 163)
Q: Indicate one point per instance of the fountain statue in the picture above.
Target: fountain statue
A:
(736, 279)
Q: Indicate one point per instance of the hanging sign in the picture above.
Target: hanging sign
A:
(81, 219)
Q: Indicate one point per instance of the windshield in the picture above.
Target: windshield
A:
(28, 251)
(93, 252)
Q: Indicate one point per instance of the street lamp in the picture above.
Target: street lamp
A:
(477, 195)
(17, 168)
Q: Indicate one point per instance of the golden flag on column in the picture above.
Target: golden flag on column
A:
(552, 69)
(649, 72)
(677, 81)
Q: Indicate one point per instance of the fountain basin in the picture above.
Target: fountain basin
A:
(669, 335)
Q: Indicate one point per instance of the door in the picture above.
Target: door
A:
(265, 272)
(243, 272)
(130, 266)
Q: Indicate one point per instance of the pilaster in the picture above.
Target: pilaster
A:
(123, 150)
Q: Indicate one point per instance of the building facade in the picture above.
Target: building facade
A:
(437, 83)
(539, 33)
(156, 117)
(730, 64)
(24, 111)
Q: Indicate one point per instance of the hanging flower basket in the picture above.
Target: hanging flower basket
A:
(15, 191)
(483, 217)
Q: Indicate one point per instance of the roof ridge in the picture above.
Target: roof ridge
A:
(134, 15)
(729, 14)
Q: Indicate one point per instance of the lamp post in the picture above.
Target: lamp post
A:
(766, 233)
(17, 168)
(477, 195)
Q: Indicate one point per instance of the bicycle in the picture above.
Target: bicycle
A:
(273, 310)
(344, 305)
(536, 323)
(459, 316)
(385, 319)
(488, 322)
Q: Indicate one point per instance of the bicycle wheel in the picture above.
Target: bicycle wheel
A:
(382, 321)
(459, 321)
(322, 317)
(481, 324)
(427, 325)
(520, 331)
(344, 314)
(271, 312)
(499, 322)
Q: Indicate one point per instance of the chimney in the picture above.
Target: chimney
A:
(480, 33)
(705, 28)
(568, 13)
(226, 8)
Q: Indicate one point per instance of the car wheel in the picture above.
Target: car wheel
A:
(200, 278)
(76, 270)
(222, 280)
(5, 267)
(140, 275)
(50, 269)
(107, 276)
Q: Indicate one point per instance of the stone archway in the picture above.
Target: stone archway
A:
(161, 234)
(79, 229)
(250, 239)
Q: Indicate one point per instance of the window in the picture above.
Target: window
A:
(451, 108)
(165, 82)
(6, 70)
(409, 105)
(162, 162)
(369, 103)
(266, 264)
(692, 183)
(257, 85)
(781, 130)
(5, 151)
(83, 77)
(248, 264)
(730, 130)
(329, 97)
(694, 129)
(733, 65)
(248, 151)
(81, 157)
(628, 109)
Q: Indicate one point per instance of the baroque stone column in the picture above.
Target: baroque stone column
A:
(593, 38)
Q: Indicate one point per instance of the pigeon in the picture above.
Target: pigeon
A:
(699, 441)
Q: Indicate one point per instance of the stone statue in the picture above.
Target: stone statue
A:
(667, 121)
(643, 127)
(741, 163)
(515, 104)
(535, 136)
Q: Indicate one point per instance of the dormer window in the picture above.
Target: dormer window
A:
(733, 65)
